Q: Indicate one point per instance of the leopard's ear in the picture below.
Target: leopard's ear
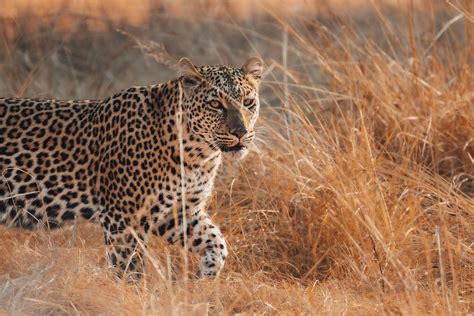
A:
(253, 68)
(188, 74)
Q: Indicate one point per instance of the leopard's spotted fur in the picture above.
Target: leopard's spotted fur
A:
(127, 162)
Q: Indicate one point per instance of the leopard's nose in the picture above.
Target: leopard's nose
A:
(239, 132)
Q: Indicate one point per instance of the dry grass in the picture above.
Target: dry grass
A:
(358, 197)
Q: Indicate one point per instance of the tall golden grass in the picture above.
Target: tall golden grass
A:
(358, 195)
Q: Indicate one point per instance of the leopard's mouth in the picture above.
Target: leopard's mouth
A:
(232, 149)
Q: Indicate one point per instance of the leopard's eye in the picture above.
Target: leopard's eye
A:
(249, 103)
(216, 105)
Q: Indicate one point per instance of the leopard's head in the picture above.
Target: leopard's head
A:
(221, 103)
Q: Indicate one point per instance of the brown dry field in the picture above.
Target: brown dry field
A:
(357, 197)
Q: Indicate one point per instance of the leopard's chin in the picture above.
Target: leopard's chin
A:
(237, 154)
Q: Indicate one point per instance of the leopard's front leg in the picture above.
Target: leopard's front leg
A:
(203, 237)
(207, 239)
(123, 237)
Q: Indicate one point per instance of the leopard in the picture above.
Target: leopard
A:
(140, 163)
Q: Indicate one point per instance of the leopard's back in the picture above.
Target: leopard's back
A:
(45, 159)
